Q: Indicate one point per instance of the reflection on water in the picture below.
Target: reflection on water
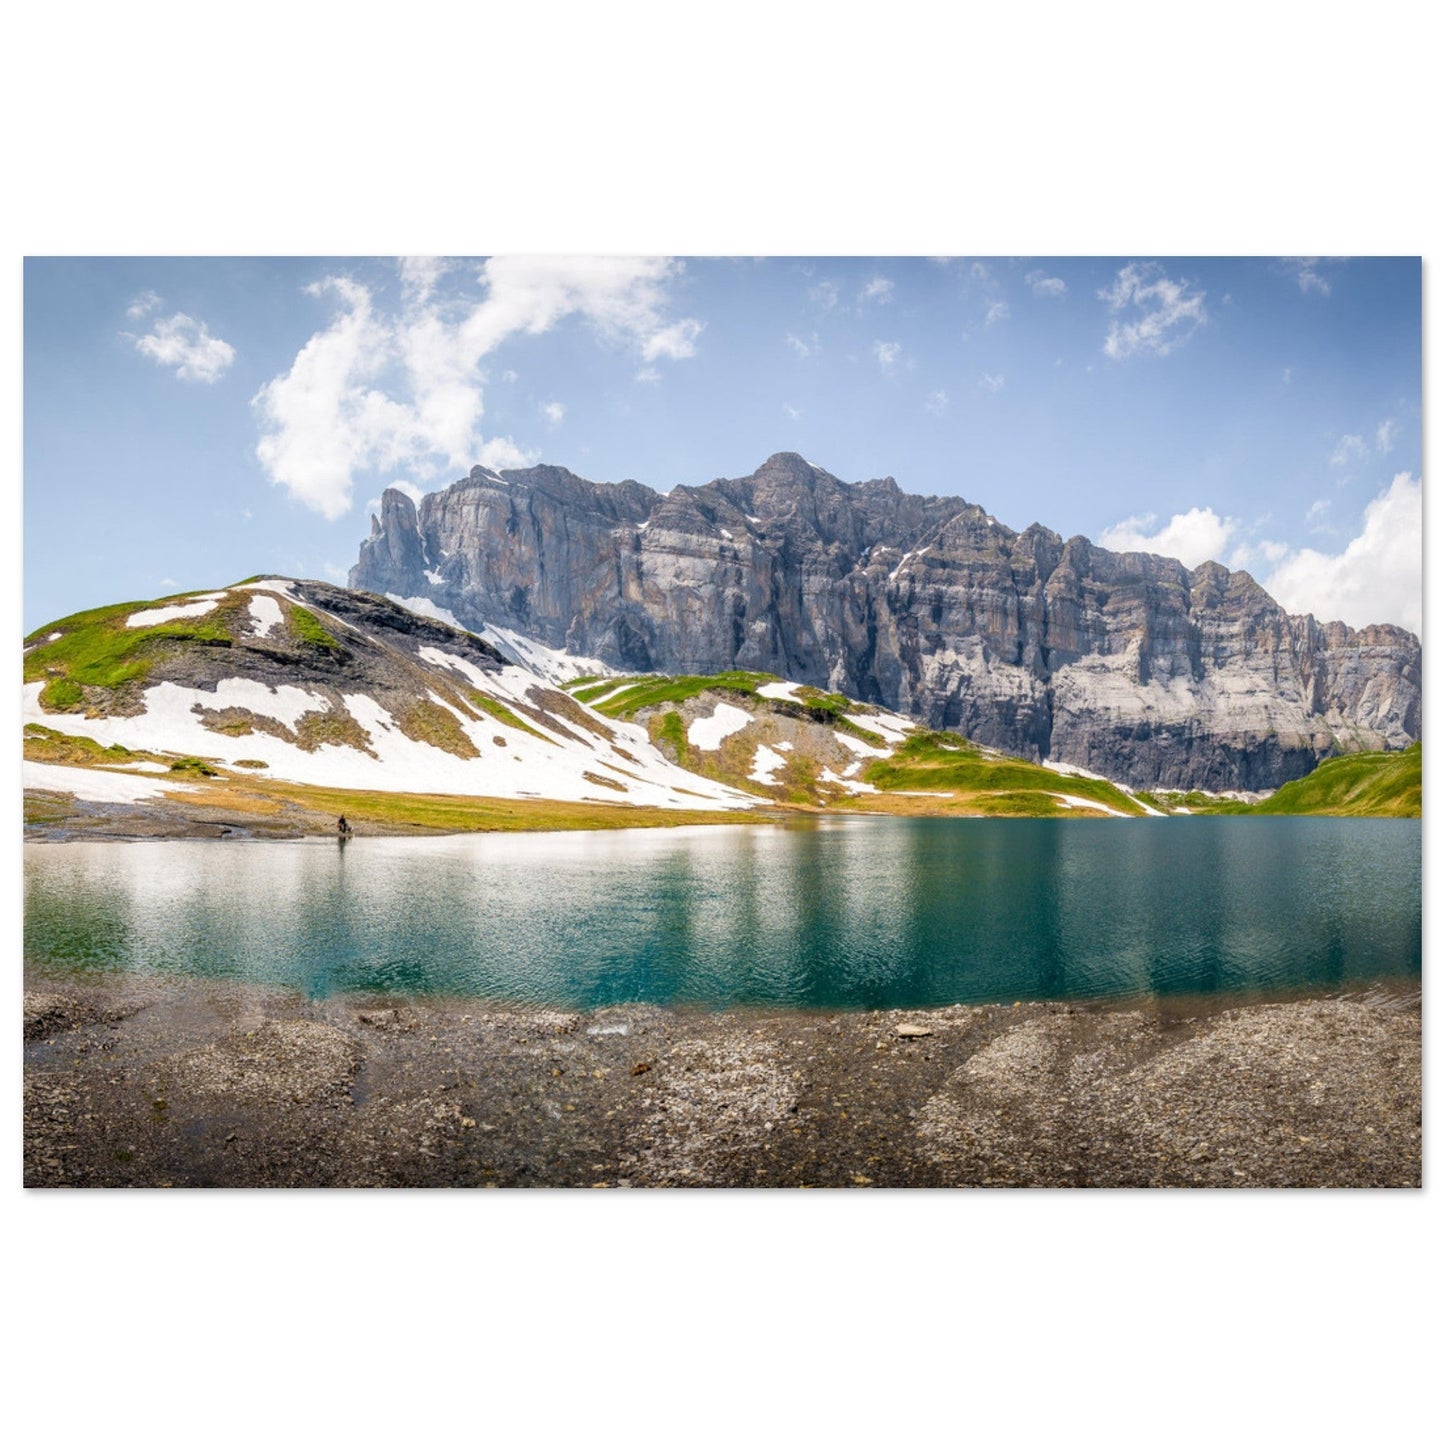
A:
(862, 912)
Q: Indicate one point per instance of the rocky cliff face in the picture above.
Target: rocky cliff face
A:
(1126, 664)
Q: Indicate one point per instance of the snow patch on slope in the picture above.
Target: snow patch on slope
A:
(1067, 800)
(425, 607)
(93, 785)
(265, 614)
(525, 766)
(154, 616)
(547, 662)
(847, 784)
(281, 586)
(438, 658)
(857, 745)
(892, 725)
(708, 733)
(766, 763)
(1069, 770)
(781, 691)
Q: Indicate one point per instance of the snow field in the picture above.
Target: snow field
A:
(766, 763)
(93, 785)
(847, 784)
(708, 733)
(527, 766)
(783, 691)
(266, 614)
(863, 750)
(154, 616)
(893, 726)
(1067, 800)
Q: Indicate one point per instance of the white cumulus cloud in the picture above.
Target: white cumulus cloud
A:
(1305, 271)
(1385, 436)
(1350, 448)
(1377, 578)
(323, 420)
(879, 289)
(937, 403)
(502, 454)
(181, 342)
(420, 275)
(1155, 314)
(674, 342)
(390, 387)
(998, 311)
(143, 305)
(1042, 284)
(887, 353)
(1198, 535)
(824, 295)
(554, 411)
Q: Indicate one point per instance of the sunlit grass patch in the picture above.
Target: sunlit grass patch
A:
(307, 628)
(425, 721)
(195, 766)
(946, 762)
(1373, 785)
(828, 708)
(503, 714)
(643, 692)
(46, 745)
(668, 734)
(97, 650)
(316, 729)
(1167, 801)
(452, 814)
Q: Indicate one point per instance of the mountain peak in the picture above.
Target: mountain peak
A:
(792, 464)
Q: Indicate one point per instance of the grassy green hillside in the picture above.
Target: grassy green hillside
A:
(977, 781)
(1358, 785)
(625, 697)
(929, 772)
(621, 697)
(801, 750)
(82, 657)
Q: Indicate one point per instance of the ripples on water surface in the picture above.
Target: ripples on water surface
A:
(873, 913)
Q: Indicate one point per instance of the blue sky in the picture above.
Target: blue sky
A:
(192, 421)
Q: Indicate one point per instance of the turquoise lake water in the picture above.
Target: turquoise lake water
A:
(868, 913)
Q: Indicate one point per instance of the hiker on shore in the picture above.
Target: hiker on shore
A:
(343, 828)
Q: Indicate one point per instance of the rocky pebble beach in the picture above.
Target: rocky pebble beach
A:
(142, 1081)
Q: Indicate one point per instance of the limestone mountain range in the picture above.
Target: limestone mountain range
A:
(1126, 664)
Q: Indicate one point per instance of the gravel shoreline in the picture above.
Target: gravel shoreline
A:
(154, 1082)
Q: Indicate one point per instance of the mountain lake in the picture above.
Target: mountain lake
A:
(852, 913)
